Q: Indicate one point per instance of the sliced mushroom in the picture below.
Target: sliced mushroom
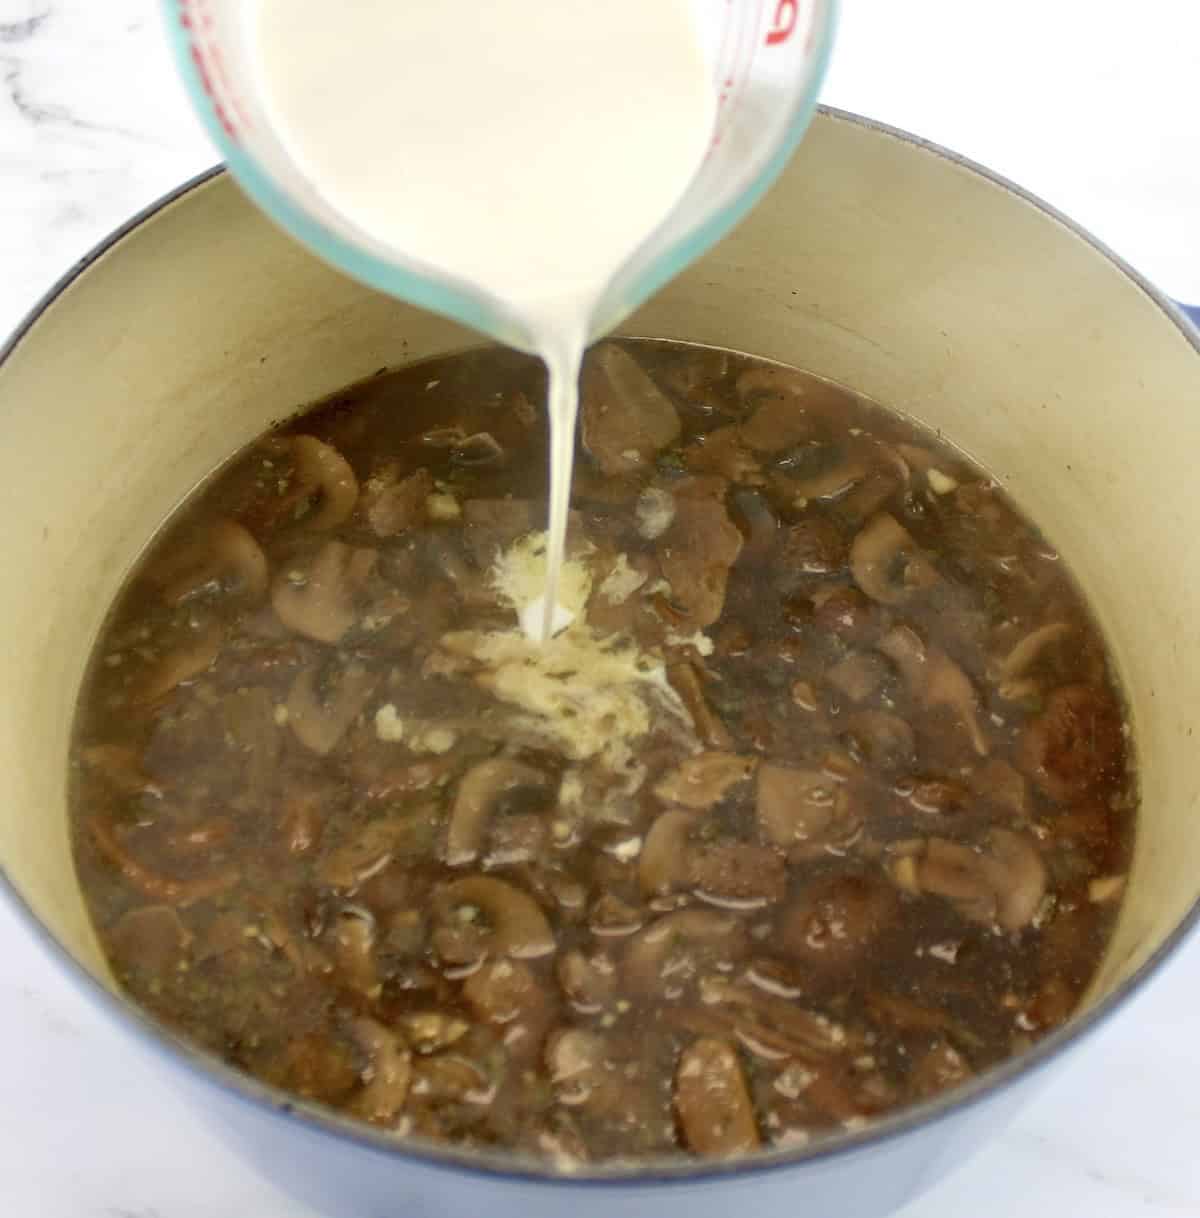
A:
(663, 865)
(433, 1031)
(953, 871)
(848, 614)
(770, 381)
(393, 505)
(1025, 654)
(374, 846)
(883, 740)
(452, 1078)
(769, 1025)
(813, 546)
(857, 675)
(320, 602)
(301, 820)
(612, 918)
(781, 416)
(443, 437)
(835, 481)
(226, 559)
(1019, 875)
(704, 780)
(354, 948)
(935, 680)
(582, 1071)
(673, 948)
(837, 919)
(751, 511)
(938, 795)
(572, 1053)
(478, 451)
(388, 1075)
(518, 927)
(868, 496)
(151, 938)
(723, 452)
(121, 767)
(626, 418)
(508, 993)
(1073, 744)
(685, 680)
(655, 512)
(901, 1012)
(589, 982)
(999, 784)
(320, 712)
(940, 1067)
(323, 474)
(713, 1102)
(698, 550)
(802, 810)
(181, 662)
(516, 838)
(1003, 882)
(887, 563)
(481, 790)
(318, 1066)
(152, 884)
(737, 875)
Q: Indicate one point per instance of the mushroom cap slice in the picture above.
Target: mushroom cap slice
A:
(626, 418)
(713, 1101)
(797, 807)
(887, 564)
(706, 932)
(194, 654)
(320, 723)
(319, 603)
(319, 467)
(390, 1074)
(519, 928)
(935, 680)
(1002, 883)
(479, 792)
(1073, 744)
(226, 555)
(704, 780)
(663, 866)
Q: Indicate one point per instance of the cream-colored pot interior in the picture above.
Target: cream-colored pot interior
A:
(874, 261)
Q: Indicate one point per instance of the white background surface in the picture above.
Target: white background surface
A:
(1091, 103)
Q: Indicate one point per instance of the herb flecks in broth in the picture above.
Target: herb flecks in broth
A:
(819, 801)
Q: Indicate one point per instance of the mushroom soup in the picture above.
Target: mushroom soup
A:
(818, 802)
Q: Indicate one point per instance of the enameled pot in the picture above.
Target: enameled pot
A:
(876, 260)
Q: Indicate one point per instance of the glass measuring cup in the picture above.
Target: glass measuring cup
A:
(767, 57)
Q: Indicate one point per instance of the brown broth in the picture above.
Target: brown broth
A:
(870, 842)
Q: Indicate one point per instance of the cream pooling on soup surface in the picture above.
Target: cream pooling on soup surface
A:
(820, 804)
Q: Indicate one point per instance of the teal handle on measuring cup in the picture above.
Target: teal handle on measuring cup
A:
(211, 52)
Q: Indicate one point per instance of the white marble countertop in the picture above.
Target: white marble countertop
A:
(1090, 103)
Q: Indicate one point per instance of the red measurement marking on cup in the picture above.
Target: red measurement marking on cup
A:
(735, 64)
(194, 18)
(783, 25)
(727, 82)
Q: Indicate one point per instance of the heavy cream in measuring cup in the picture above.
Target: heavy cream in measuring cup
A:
(525, 146)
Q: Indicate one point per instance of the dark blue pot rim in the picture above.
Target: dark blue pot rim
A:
(314, 1119)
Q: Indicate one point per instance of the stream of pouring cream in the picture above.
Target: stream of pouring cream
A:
(527, 147)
